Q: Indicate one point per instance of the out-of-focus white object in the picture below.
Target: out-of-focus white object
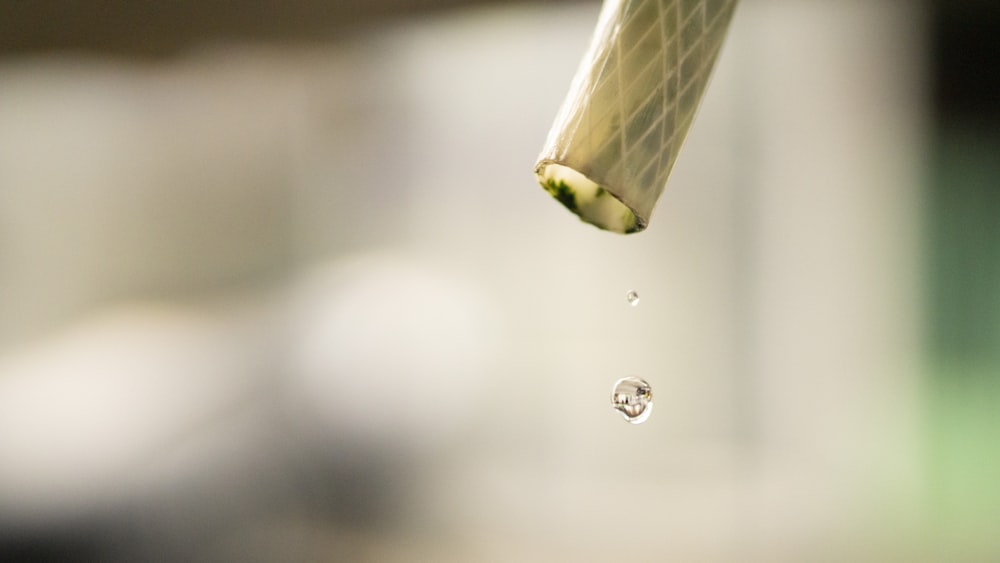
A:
(85, 414)
(389, 351)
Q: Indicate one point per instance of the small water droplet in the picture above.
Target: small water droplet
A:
(633, 298)
(632, 397)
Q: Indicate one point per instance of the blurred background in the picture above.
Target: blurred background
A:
(277, 284)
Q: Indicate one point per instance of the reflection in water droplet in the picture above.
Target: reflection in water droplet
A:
(632, 397)
(633, 298)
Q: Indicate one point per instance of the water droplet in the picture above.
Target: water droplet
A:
(633, 298)
(632, 397)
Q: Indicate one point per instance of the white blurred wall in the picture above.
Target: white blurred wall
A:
(349, 240)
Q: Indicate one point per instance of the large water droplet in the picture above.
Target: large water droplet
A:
(632, 397)
(633, 298)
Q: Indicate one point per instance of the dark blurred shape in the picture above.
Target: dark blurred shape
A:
(964, 198)
(164, 28)
(74, 543)
(965, 51)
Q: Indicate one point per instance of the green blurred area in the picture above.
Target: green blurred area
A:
(963, 333)
(962, 281)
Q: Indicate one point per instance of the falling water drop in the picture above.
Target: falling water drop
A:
(632, 397)
(633, 298)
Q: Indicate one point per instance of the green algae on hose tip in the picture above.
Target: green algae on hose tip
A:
(568, 196)
(588, 200)
(631, 221)
(562, 192)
